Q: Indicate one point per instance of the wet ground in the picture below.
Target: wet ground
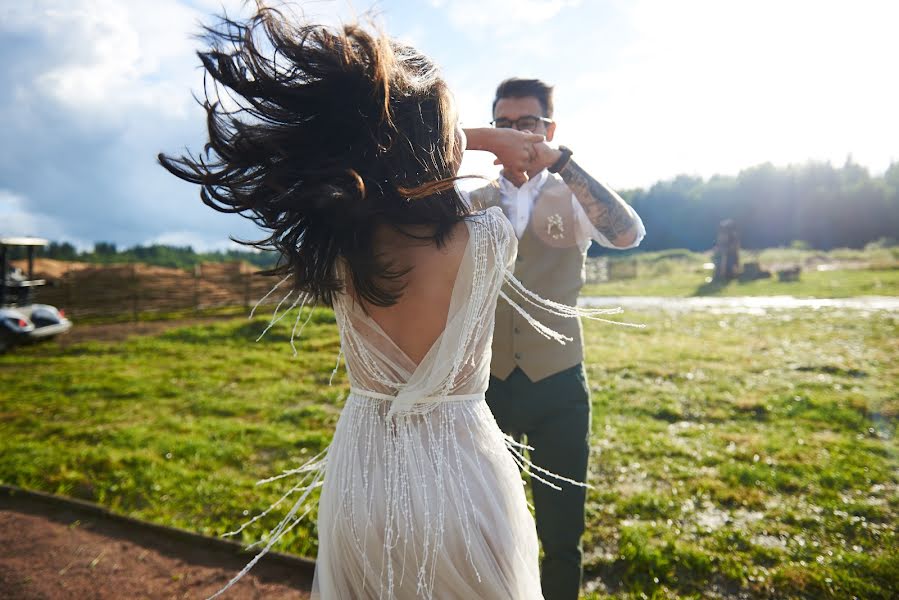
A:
(62, 557)
(758, 305)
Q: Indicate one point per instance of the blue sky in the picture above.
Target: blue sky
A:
(91, 90)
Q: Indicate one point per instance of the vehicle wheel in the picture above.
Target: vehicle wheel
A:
(5, 343)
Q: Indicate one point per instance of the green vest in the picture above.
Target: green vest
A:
(551, 265)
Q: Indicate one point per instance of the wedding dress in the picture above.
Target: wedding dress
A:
(421, 493)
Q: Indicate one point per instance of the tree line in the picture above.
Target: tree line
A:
(177, 257)
(816, 204)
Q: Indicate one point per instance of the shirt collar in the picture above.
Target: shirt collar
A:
(533, 185)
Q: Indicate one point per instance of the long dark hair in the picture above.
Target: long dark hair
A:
(336, 132)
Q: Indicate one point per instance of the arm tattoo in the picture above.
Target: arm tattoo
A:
(605, 209)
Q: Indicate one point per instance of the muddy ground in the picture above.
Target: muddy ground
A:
(63, 557)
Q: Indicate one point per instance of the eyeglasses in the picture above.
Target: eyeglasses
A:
(528, 122)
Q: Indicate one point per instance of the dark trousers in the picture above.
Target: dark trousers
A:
(554, 415)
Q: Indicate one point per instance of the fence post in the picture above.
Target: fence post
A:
(246, 289)
(135, 286)
(197, 273)
(67, 288)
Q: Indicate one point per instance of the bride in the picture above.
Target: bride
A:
(345, 150)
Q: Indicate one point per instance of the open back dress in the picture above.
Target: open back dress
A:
(421, 493)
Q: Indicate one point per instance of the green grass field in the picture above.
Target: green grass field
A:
(685, 281)
(872, 271)
(732, 454)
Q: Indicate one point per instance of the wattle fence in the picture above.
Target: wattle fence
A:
(136, 289)
(85, 290)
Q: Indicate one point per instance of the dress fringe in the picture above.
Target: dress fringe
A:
(415, 480)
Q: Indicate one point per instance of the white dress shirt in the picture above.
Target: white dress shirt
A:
(517, 203)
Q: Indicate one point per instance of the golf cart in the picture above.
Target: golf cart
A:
(20, 319)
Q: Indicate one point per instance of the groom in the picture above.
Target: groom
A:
(537, 387)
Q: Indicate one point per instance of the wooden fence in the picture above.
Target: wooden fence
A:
(116, 290)
(134, 289)
(603, 269)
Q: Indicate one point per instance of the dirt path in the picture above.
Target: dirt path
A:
(56, 559)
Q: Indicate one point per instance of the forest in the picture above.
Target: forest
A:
(177, 257)
(815, 204)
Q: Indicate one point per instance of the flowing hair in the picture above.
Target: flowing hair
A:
(336, 131)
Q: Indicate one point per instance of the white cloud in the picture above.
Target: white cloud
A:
(138, 54)
(502, 16)
(93, 90)
(412, 36)
(200, 241)
(708, 87)
(111, 57)
(17, 220)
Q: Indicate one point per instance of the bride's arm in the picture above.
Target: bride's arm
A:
(513, 149)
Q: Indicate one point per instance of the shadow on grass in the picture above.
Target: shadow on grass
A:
(247, 331)
(217, 334)
(710, 288)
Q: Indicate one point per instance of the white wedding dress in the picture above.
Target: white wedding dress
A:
(421, 493)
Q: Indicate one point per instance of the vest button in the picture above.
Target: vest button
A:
(517, 356)
(517, 330)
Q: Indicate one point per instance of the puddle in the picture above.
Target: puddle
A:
(757, 305)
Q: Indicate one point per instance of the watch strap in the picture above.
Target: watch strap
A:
(563, 159)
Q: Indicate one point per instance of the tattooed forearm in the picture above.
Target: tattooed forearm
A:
(605, 209)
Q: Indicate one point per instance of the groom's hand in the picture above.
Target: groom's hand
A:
(542, 156)
(515, 150)
(545, 156)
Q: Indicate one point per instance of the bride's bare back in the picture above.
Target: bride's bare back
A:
(419, 317)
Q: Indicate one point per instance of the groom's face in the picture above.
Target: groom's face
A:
(512, 108)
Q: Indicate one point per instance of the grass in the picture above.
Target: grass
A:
(162, 315)
(745, 454)
(174, 428)
(732, 455)
(681, 273)
(813, 284)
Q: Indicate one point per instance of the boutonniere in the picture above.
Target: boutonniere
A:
(554, 227)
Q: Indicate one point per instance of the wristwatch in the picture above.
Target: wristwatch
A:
(563, 160)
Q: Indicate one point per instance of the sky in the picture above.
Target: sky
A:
(92, 90)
